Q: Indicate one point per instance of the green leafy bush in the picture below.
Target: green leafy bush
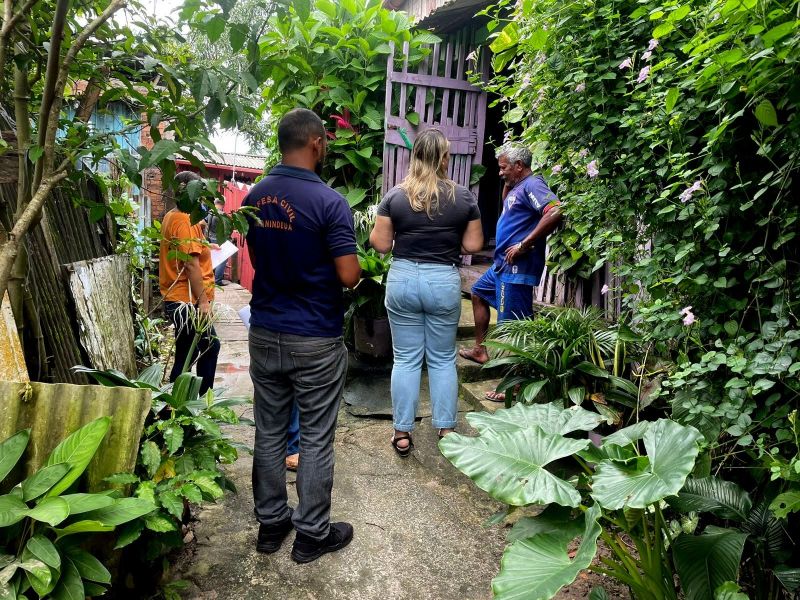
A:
(44, 522)
(331, 57)
(671, 132)
(567, 354)
(180, 455)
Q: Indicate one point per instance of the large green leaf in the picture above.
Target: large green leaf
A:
(43, 549)
(70, 587)
(788, 576)
(121, 511)
(81, 503)
(50, 510)
(709, 494)
(671, 452)
(89, 567)
(535, 569)
(12, 510)
(510, 465)
(11, 450)
(77, 450)
(83, 527)
(552, 418)
(627, 435)
(729, 591)
(41, 481)
(705, 562)
(786, 503)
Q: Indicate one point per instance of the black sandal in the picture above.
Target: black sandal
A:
(442, 435)
(403, 452)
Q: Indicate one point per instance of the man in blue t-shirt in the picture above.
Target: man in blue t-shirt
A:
(302, 244)
(530, 214)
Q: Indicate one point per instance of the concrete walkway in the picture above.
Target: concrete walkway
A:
(418, 522)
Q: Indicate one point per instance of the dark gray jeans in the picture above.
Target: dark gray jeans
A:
(310, 371)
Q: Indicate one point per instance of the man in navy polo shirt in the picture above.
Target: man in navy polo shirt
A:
(530, 214)
(302, 245)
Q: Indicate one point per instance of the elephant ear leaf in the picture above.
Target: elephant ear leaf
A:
(705, 562)
(77, 450)
(511, 466)
(11, 450)
(671, 451)
(540, 566)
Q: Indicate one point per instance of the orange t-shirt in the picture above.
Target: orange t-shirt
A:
(179, 238)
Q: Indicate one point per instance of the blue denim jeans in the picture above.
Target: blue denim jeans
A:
(424, 304)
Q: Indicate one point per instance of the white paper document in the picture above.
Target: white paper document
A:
(226, 250)
(244, 315)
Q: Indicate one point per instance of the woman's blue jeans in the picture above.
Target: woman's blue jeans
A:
(424, 304)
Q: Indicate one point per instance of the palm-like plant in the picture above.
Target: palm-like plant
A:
(568, 354)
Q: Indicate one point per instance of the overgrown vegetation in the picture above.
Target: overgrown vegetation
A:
(331, 57)
(670, 131)
(45, 523)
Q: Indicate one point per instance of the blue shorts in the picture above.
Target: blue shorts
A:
(511, 300)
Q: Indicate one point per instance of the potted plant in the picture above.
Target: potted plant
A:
(372, 336)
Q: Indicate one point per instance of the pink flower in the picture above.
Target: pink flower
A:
(647, 55)
(643, 74)
(556, 169)
(688, 316)
(652, 45)
(686, 194)
(472, 55)
(626, 64)
(583, 153)
(592, 170)
(581, 87)
(604, 290)
(686, 310)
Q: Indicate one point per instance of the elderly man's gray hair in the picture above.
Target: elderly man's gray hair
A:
(514, 152)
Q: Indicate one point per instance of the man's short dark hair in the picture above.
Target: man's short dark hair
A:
(297, 127)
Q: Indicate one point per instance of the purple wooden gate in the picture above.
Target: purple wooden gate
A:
(437, 95)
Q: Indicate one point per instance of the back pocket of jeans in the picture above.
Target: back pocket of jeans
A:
(320, 366)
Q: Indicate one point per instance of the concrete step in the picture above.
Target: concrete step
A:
(474, 394)
(466, 324)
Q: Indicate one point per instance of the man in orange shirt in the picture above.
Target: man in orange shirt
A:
(186, 277)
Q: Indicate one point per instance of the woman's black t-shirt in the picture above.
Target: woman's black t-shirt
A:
(423, 239)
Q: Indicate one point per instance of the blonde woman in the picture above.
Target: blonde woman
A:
(427, 221)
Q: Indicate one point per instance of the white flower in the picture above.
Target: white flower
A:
(580, 88)
(583, 153)
(556, 169)
(643, 74)
(592, 170)
(688, 317)
(626, 64)
(604, 290)
(652, 45)
(647, 55)
(472, 55)
(686, 194)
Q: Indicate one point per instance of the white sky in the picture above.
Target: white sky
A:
(225, 141)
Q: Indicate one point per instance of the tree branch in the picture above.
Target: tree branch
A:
(45, 168)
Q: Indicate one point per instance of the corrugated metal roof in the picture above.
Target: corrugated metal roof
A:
(243, 161)
(452, 15)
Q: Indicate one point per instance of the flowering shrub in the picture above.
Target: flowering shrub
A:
(671, 133)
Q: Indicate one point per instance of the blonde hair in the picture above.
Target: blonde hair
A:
(427, 173)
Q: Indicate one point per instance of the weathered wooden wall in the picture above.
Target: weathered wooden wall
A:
(101, 293)
(53, 411)
(64, 235)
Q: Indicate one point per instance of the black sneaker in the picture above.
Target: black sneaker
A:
(306, 548)
(270, 537)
